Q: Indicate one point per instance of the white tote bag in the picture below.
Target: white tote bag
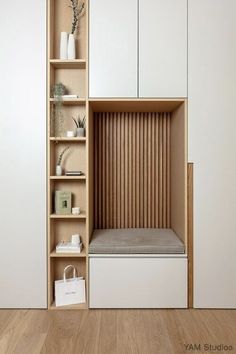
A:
(69, 291)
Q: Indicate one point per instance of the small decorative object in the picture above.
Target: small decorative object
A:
(63, 202)
(76, 210)
(70, 134)
(80, 126)
(75, 246)
(78, 10)
(75, 239)
(69, 247)
(71, 47)
(70, 291)
(58, 167)
(64, 45)
(69, 97)
(57, 119)
(74, 173)
(58, 170)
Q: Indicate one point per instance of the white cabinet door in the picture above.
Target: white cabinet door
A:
(135, 282)
(113, 48)
(212, 148)
(163, 48)
(23, 270)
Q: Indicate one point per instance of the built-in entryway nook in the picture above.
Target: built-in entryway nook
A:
(137, 203)
(117, 156)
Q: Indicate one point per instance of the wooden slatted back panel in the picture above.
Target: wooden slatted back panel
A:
(131, 170)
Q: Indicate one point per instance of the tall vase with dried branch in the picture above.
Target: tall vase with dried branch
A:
(78, 9)
(58, 166)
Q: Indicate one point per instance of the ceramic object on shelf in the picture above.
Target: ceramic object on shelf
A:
(80, 132)
(58, 170)
(75, 239)
(76, 210)
(64, 45)
(71, 47)
(70, 134)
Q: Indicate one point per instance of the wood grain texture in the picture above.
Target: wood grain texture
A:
(178, 156)
(132, 170)
(113, 331)
(190, 235)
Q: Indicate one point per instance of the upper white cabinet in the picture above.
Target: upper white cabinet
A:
(113, 48)
(138, 48)
(162, 48)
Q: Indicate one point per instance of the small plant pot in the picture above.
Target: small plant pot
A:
(80, 132)
(58, 170)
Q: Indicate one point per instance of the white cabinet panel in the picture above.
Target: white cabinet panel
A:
(212, 148)
(138, 282)
(23, 272)
(163, 48)
(113, 48)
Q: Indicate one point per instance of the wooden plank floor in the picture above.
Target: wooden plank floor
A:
(115, 331)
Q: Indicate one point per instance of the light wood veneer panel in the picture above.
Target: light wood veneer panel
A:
(131, 170)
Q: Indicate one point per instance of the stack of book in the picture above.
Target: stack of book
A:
(74, 173)
(68, 247)
(67, 97)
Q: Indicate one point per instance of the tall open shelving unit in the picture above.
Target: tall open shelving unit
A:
(73, 74)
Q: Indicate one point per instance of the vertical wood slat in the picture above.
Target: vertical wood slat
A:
(164, 167)
(100, 170)
(168, 173)
(134, 176)
(132, 170)
(149, 175)
(160, 162)
(137, 159)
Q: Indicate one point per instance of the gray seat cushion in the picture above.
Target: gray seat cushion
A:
(137, 241)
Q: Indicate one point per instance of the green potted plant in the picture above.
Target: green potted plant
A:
(80, 125)
(57, 91)
(59, 161)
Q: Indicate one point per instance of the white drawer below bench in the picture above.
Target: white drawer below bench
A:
(137, 281)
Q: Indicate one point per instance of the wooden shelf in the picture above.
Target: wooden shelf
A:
(70, 216)
(69, 307)
(72, 102)
(83, 178)
(74, 75)
(68, 64)
(67, 255)
(65, 139)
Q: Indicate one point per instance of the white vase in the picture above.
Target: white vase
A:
(80, 132)
(58, 170)
(64, 45)
(71, 47)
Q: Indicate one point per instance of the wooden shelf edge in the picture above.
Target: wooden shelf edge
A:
(75, 101)
(68, 216)
(83, 254)
(83, 306)
(82, 178)
(68, 64)
(75, 139)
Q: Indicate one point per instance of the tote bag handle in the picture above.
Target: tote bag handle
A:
(66, 269)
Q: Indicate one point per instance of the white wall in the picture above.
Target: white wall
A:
(212, 148)
(22, 153)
